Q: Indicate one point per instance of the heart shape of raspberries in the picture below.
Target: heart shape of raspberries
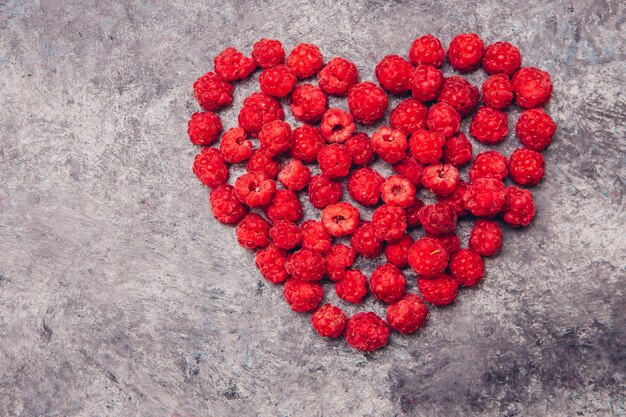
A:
(422, 142)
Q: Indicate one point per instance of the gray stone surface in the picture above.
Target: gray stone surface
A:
(121, 296)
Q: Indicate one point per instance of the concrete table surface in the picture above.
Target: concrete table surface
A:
(120, 295)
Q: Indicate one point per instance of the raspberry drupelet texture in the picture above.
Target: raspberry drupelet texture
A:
(323, 191)
(397, 253)
(367, 102)
(294, 175)
(398, 191)
(360, 149)
(450, 240)
(455, 200)
(412, 213)
(407, 314)
(213, 93)
(457, 151)
(337, 76)
(268, 53)
(427, 147)
(262, 162)
(286, 234)
(275, 137)
(352, 287)
(389, 144)
(526, 167)
(410, 169)
(489, 164)
(467, 267)
(501, 58)
(253, 232)
(334, 160)
(439, 291)
(306, 265)
(302, 296)
(364, 186)
(532, 87)
(427, 50)
(498, 91)
(442, 118)
(485, 197)
(520, 207)
(232, 65)
(489, 126)
(387, 283)
(308, 103)
(277, 81)
(535, 129)
(307, 142)
(235, 146)
(485, 238)
(438, 219)
(409, 116)
(340, 219)
(306, 60)
(270, 261)
(389, 222)
(366, 332)
(225, 205)
(284, 206)
(393, 73)
(329, 321)
(428, 257)
(338, 259)
(255, 189)
(440, 179)
(365, 242)
(337, 126)
(425, 83)
(460, 94)
(465, 52)
(204, 128)
(210, 167)
(257, 110)
(315, 237)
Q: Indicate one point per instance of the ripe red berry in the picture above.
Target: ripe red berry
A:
(535, 129)
(360, 149)
(410, 169)
(308, 103)
(498, 91)
(397, 253)
(329, 321)
(302, 296)
(412, 213)
(262, 162)
(365, 242)
(489, 126)
(294, 175)
(438, 219)
(409, 116)
(426, 146)
(340, 219)
(425, 83)
(366, 332)
(284, 206)
(485, 197)
(268, 53)
(442, 118)
(334, 160)
(364, 186)
(275, 137)
(467, 267)
(213, 93)
(460, 94)
(501, 58)
(352, 287)
(337, 77)
(465, 52)
(398, 191)
(232, 65)
(315, 237)
(277, 81)
(390, 145)
(486, 238)
(520, 207)
(306, 60)
(253, 231)
(225, 205)
(427, 50)
(337, 126)
(450, 241)
(439, 291)
(255, 189)
(428, 257)
(338, 259)
(257, 110)
(210, 168)
(407, 314)
(270, 261)
(457, 151)
(286, 234)
(306, 265)
(307, 142)
(323, 191)
(393, 73)
(455, 200)
(367, 102)
(387, 283)
(532, 86)
(526, 167)
(440, 179)
(389, 222)
(489, 164)
(204, 128)
(235, 145)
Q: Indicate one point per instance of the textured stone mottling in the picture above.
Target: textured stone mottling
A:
(120, 296)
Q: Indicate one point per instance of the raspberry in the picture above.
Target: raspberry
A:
(425, 83)
(262, 162)
(427, 147)
(367, 102)
(352, 287)
(440, 179)
(340, 219)
(397, 253)
(306, 265)
(277, 81)
(532, 86)
(427, 50)
(389, 222)
(307, 142)
(520, 207)
(535, 129)
(235, 145)
(329, 321)
(526, 167)
(387, 283)
(442, 118)
(315, 237)
(302, 296)
(366, 332)
(412, 213)
(389, 144)
(460, 94)
(489, 126)
(467, 267)
(489, 164)
(210, 168)
(428, 257)
(257, 110)
(268, 53)
(337, 77)
(411, 170)
(365, 242)
(440, 291)
(450, 240)
(323, 191)
(360, 149)
(294, 175)
(338, 258)
(409, 116)
(485, 238)
(255, 189)
(498, 91)
(213, 93)
(438, 219)
(204, 128)
(337, 126)
(457, 151)
(308, 103)
(501, 58)
(271, 263)
(485, 197)
(253, 231)
(455, 200)
(408, 314)
(465, 52)
(232, 65)
(225, 205)
(306, 60)
(284, 206)
(285, 234)
(393, 73)
(275, 137)
(364, 186)
(398, 191)
(334, 160)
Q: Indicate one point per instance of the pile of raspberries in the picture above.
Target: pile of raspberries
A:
(423, 143)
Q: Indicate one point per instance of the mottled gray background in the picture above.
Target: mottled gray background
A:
(121, 296)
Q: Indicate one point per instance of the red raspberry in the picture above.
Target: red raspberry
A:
(360, 149)
(460, 94)
(485, 197)
(306, 265)
(535, 129)
(387, 283)
(457, 151)
(427, 50)
(257, 110)
(338, 258)
(315, 237)
(428, 257)
(465, 52)
(277, 81)
(411, 170)
(397, 253)
(398, 191)
(467, 267)
(427, 147)
(308, 103)
(440, 179)
(489, 126)
(204, 128)
(532, 86)
(268, 53)
(389, 144)
(210, 168)
(364, 186)
(498, 91)
(212, 92)
(365, 242)
(489, 164)
(225, 205)
(294, 175)
(520, 207)
(366, 332)
(425, 83)
(501, 58)
(455, 200)
(262, 162)
(235, 145)
(438, 219)
(367, 102)
(337, 77)
(409, 116)
(323, 191)
(451, 241)
(408, 314)
(412, 213)
(253, 232)
(307, 142)
(302, 296)
(486, 238)
(334, 160)
(389, 222)
(337, 126)
(526, 167)
(393, 73)
(284, 206)
(329, 321)
(232, 65)
(442, 118)
(275, 137)
(286, 234)
(306, 60)
(255, 189)
(271, 263)
(340, 219)
(352, 287)
(440, 291)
